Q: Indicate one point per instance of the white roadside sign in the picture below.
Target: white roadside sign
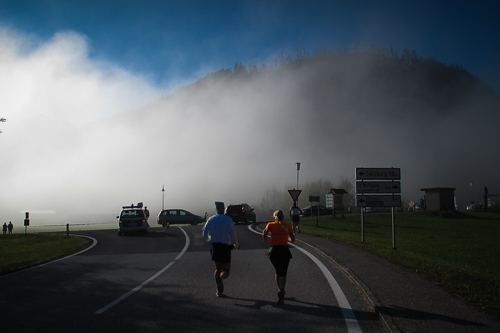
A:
(294, 194)
(378, 187)
(378, 201)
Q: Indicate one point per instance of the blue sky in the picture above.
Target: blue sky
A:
(177, 42)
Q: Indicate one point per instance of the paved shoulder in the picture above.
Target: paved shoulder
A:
(408, 302)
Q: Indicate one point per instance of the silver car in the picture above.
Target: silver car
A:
(177, 216)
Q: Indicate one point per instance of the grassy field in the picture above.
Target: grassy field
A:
(460, 252)
(21, 251)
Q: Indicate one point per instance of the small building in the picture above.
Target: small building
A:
(338, 205)
(439, 198)
(493, 201)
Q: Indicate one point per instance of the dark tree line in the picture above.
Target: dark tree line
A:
(386, 64)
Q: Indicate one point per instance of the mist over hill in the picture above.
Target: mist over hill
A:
(334, 112)
(238, 132)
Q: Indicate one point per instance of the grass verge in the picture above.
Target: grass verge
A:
(458, 252)
(21, 251)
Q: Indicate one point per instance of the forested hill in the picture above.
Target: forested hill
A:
(333, 111)
(403, 79)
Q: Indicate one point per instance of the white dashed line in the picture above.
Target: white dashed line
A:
(139, 287)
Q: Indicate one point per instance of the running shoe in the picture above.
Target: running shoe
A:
(281, 299)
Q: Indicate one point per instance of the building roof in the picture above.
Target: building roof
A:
(437, 189)
(338, 191)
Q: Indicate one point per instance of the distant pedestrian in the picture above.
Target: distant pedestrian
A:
(146, 214)
(281, 233)
(5, 228)
(10, 226)
(295, 212)
(220, 232)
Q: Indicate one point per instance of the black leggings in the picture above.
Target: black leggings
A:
(280, 258)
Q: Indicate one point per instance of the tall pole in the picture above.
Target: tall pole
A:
(485, 199)
(298, 168)
(471, 195)
(393, 229)
(163, 199)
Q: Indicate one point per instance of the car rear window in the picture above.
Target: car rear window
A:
(132, 213)
(234, 209)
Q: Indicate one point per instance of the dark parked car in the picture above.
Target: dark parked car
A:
(241, 213)
(475, 207)
(177, 216)
(306, 211)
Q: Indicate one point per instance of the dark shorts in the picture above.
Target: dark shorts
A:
(295, 219)
(280, 258)
(221, 252)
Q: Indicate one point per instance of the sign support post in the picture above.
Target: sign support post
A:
(362, 225)
(26, 222)
(376, 182)
(393, 229)
(315, 198)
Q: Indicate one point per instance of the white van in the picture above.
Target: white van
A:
(132, 219)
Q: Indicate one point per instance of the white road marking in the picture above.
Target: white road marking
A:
(139, 287)
(350, 318)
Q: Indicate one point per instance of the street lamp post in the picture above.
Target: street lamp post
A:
(163, 199)
(298, 168)
(471, 195)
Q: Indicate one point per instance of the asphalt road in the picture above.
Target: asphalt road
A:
(163, 281)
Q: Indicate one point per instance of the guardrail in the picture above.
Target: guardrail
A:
(66, 227)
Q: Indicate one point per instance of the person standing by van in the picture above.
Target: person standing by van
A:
(281, 233)
(220, 232)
